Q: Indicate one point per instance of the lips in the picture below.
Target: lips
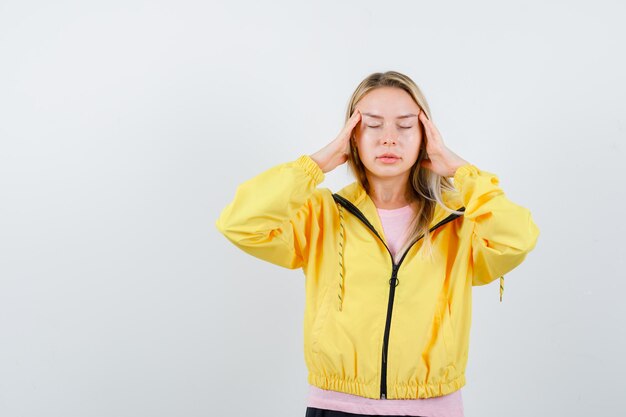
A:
(388, 158)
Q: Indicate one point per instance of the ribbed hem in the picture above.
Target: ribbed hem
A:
(311, 167)
(394, 391)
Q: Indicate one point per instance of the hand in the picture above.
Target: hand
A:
(441, 160)
(337, 151)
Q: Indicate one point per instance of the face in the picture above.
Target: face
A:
(389, 124)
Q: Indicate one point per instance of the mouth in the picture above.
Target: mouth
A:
(388, 158)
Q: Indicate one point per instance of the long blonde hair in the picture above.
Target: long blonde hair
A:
(424, 186)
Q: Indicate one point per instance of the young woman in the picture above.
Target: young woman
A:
(389, 260)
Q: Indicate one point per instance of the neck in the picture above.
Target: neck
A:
(389, 193)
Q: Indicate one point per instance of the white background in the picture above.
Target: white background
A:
(126, 126)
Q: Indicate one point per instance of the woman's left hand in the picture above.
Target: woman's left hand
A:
(441, 160)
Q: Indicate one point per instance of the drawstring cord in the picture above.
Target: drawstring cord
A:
(501, 287)
(342, 240)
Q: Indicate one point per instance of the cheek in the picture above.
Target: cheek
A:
(409, 135)
(416, 136)
(367, 134)
(413, 143)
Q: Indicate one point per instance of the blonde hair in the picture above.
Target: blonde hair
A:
(424, 186)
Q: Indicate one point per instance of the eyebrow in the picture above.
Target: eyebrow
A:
(376, 116)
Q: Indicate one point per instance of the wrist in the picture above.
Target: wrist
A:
(316, 159)
(456, 166)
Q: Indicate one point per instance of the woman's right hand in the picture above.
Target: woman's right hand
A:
(337, 151)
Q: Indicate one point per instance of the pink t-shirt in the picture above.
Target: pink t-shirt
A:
(395, 227)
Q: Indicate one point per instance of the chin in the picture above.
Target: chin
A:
(390, 172)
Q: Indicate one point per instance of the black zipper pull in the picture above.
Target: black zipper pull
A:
(394, 281)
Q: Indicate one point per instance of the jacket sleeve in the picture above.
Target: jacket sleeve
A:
(502, 233)
(272, 214)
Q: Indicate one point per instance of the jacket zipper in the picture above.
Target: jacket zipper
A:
(393, 281)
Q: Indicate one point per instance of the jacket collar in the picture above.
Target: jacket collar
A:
(356, 194)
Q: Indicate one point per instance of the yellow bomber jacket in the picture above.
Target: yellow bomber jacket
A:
(372, 327)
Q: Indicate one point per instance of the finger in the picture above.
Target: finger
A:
(355, 117)
(352, 122)
(431, 129)
(426, 122)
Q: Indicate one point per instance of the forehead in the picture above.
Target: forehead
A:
(387, 103)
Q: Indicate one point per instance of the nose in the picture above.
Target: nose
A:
(388, 134)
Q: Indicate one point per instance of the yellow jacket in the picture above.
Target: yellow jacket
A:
(372, 327)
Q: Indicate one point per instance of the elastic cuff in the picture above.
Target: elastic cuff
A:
(311, 167)
(463, 171)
